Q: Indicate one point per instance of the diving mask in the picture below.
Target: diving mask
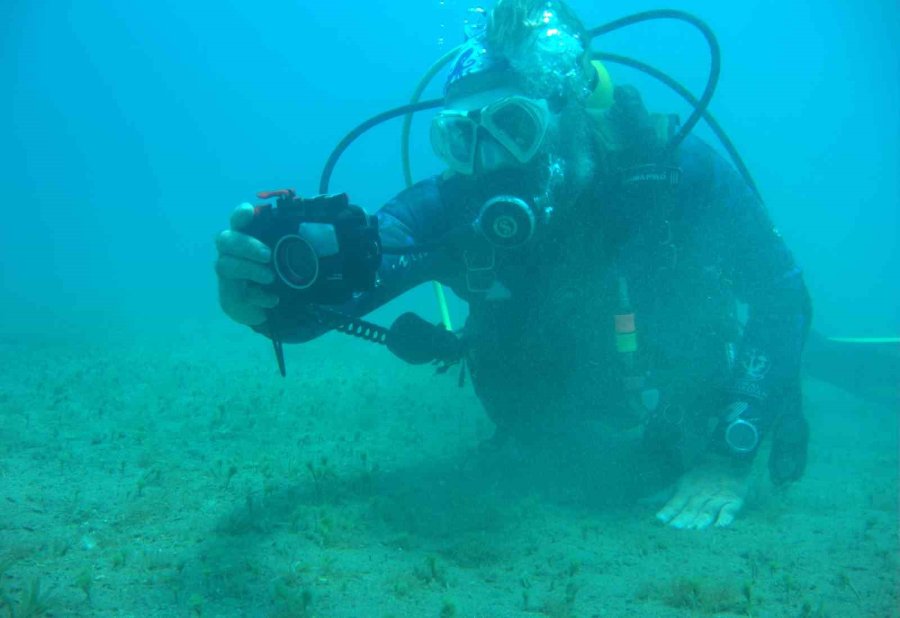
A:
(517, 123)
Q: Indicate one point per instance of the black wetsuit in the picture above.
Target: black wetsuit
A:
(544, 359)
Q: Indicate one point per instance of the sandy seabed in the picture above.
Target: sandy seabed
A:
(181, 476)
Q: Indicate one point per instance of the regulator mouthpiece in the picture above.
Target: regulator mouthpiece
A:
(507, 221)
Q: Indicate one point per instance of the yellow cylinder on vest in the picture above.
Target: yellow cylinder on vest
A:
(602, 96)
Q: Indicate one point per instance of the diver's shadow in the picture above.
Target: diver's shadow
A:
(429, 506)
(460, 508)
(426, 506)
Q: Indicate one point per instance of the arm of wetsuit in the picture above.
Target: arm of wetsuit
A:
(766, 277)
(413, 217)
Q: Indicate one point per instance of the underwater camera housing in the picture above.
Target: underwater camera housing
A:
(324, 249)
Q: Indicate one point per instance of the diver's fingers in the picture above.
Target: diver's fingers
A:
(259, 297)
(729, 512)
(228, 267)
(673, 507)
(710, 512)
(241, 216)
(703, 520)
(232, 242)
(247, 314)
(232, 298)
(687, 516)
(242, 246)
(690, 513)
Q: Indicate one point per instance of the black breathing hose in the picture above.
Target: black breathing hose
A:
(374, 121)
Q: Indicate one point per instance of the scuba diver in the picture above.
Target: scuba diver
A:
(603, 252)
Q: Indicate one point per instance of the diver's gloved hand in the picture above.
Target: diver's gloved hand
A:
(417, 341)
(242, 267)
(710, 494)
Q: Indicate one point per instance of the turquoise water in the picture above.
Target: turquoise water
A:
(153, 463)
